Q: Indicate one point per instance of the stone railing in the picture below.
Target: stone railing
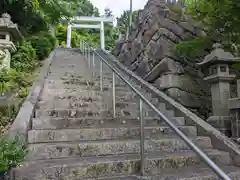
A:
(234, 110)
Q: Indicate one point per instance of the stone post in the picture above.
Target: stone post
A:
(218, 76)
(8, 32)
(238, 87)
(234, 107)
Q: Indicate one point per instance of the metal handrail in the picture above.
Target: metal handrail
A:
(86, 51)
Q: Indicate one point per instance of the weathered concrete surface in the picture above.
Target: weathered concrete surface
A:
(107, 133)
(196, 173)
(91, 122)
(76, 149)
(96, 167)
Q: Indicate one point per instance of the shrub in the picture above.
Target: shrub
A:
(6, 84)
(52, 39)
(12, 153)
(25, 57)
(43, 43)
(8, 113)
(193, 48)
(12, 79)
(42, 46)
(61, 33)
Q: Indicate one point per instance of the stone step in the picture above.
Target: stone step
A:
(133, 177)
(77, 88)
(91, 82)
(107, 166)
(68, 67)
(60, 78)
(110, 147)
(103, 105)
(69, 81)
(59, 83)
(51, 93)
(65, 81)
(59, 104)
(84, 100)
(78, 100)
(85, 90)
(98, 106)
(107, 133)
(106, 88)
(195, 172)
(91, 97)
(48, 90)
(75, 76)
(83, 81)
(88, 112)
(91, 122)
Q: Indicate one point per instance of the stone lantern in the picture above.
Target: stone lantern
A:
(8, 32)
(217, 65)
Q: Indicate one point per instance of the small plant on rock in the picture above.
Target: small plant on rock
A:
(12, 153)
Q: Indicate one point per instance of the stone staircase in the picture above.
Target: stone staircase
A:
(73, 135)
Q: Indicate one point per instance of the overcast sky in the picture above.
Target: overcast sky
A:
(117, 6)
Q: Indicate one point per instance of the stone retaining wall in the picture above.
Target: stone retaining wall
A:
(149, 52)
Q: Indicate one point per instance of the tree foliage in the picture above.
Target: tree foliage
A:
(123, 20)
(33, 16)
(220, 18)
(86, 8)
(107, 12)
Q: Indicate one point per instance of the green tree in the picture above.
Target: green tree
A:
(54, 10)
(220, 18)
(107, 12)
(86, 8)
(38, 15)
(123, 20)
(24, 14)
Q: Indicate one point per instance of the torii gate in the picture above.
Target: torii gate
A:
(76, 24)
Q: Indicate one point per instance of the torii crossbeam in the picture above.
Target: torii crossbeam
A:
(76, 24)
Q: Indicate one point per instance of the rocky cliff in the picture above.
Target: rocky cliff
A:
(149, 52)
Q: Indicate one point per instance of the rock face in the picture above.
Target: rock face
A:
(149, 52)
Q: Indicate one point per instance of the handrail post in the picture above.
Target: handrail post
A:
(84, 49)
(87, 54)
(81, 46)
(101, 75)
(89, 57)
(114, 94)
(93, 63)
(141, 137)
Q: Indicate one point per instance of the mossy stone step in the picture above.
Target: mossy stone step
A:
(110, 147)
(107, 133)
(91, 122)
(118, 165)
